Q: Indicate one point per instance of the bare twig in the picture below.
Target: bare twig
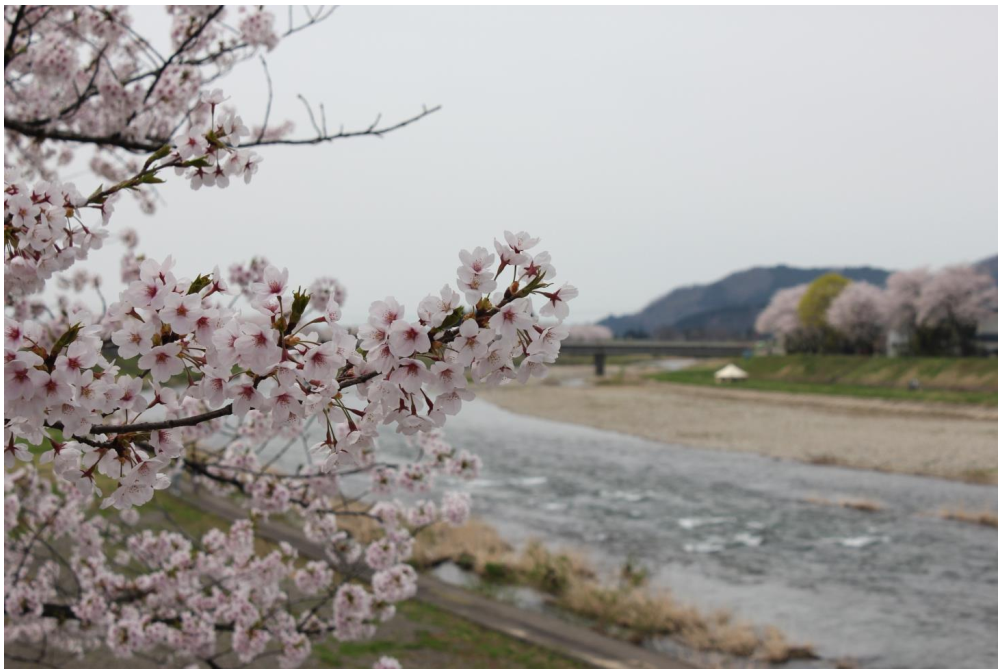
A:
(267, 110)
(371, 131)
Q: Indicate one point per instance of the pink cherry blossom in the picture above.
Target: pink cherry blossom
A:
(406, 339)
(162, 361)
(235, 371)
(557, 304)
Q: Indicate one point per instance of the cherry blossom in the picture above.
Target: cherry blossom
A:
(857, 313)
(557, 304)
(781, 316)
(233, 371)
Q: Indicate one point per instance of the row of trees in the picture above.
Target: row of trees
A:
(589, 332)
(928, 313)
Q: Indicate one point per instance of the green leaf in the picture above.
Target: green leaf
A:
(94, 197)
(65, 340)
(300, 300)
(199, 283)
(150, 178)
(162, 152)
(454, 318)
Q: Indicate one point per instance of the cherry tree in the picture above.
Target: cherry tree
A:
(938, 312)
(857, 313)
(903, 289)
(780, 318)
(590, 332)
(951, 305)
(201, 380)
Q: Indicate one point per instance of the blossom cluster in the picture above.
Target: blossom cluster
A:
(283, 366)
(84, 72)
(188, 593)
(195, 382)
(409, 373)
(45, 229)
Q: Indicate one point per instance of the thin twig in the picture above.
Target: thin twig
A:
(267, 110)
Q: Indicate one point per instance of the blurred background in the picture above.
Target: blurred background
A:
(667, 146)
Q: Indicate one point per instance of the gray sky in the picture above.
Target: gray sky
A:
(648, 147)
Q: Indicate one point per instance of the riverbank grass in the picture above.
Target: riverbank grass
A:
(951, 380)
(423, 636)
(625, 606)
(987, 518)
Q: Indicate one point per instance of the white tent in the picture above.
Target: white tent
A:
(730, 373)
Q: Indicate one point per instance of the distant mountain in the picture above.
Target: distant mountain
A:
(988, 266)
(727, 308)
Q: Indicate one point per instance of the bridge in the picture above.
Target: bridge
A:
(682, 349)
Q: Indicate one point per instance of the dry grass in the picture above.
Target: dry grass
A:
(624, 608)
(866, 505)
(827, 460)
(472, 546)
(986, 518)
(981, 476)
(856, 504)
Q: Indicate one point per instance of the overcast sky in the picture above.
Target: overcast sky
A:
(648, 147)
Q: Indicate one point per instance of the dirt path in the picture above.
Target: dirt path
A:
(915, 438)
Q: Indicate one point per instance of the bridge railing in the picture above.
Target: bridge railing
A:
(688, 349)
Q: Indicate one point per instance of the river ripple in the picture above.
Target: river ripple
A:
(895, 588)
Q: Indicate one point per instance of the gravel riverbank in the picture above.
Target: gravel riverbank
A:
(949, 441)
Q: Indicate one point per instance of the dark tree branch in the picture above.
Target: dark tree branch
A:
(27, 129)
(163, 424)
(200, 418)
(182, 48)
(8, 51)
(371, 131)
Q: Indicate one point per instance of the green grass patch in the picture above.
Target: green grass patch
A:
(170, 511)
(428, 636)
(952, 380)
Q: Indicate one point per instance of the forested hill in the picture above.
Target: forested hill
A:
(727, 308)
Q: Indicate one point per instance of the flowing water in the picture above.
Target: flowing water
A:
(896, 588)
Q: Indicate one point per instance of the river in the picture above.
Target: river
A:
(899, 587)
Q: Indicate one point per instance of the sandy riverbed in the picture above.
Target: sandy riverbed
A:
(915, 438)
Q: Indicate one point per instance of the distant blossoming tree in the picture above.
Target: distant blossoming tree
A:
(589, 333)
(951, 305)
(174, 382)
(900, 306)
(857, 313)
(936, 312)
(781, 317)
